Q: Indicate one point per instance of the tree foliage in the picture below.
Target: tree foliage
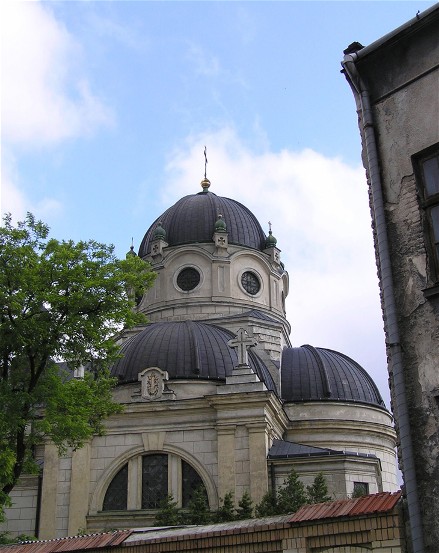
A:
(198, 509)
(168, 513)
(60, 301)
(245, 507)
(268, 505)
(226, 512)
(318, 491)
(292, 495)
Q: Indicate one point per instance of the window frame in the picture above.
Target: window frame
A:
(361, 488)
(134, 482)
(427, 202)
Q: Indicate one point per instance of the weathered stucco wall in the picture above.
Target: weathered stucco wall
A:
(402, 78)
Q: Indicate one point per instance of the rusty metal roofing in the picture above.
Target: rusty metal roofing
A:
(75, 543)
(367, 505)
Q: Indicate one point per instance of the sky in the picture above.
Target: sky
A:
(106, 108)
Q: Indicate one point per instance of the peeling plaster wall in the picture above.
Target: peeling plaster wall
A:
(402, 77)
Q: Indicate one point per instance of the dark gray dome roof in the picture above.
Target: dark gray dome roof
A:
(315, 374)
(192, 220)
(186, 350)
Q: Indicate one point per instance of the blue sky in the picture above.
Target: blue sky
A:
(107, 106)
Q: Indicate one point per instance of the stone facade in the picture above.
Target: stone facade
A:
(396, 83)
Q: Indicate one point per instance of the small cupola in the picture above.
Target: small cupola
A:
(271, 241)
(271, 248)
(131, 253)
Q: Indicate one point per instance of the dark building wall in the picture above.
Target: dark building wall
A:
(399, 76)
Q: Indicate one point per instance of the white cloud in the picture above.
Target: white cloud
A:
(320, 214)
(203, 63)
(14, 201)
(45, 98)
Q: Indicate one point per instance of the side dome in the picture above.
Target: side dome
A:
(186, 350)
(192, 220)
(318, 374)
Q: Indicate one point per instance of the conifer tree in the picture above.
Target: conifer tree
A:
(227, 510)
(245, 507)
(318, 491)
(292, 495)
(198, 509)
(268, 506)
(169, 513)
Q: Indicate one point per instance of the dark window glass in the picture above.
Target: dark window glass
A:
(154, 480)
(250, 283)
(116, 496)
(360, 489)
(427, 166)
(434, 216)
(430, 169)
(191, 482)
(188, 279)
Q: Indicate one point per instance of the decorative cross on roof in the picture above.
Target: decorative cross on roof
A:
(242, 342)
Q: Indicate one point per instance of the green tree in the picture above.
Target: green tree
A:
(268, 506)
(169, 513)
(198, 509)
(292, 495)
(60, 301)
(318, 491)
(245, 507)
(227, 510)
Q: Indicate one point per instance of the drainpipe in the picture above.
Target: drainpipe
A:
(362, 99)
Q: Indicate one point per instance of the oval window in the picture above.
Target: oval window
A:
(188, 279)
(250, 283)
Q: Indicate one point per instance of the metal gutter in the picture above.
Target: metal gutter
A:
(362, 99)
(403, 29)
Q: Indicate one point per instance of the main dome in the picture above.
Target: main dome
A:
(316, 374)
(186, 350)
(192, 220)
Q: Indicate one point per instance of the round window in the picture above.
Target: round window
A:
(188, 279)
(250, 283)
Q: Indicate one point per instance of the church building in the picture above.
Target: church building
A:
(214, 393)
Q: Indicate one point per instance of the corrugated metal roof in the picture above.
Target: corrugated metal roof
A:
(75, 543)
(367, 505)
(158, 534)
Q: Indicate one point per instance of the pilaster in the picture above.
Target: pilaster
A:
(258, 448)
(226, 460)
(79, 489)
(49, 492)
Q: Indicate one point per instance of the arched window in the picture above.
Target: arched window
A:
(116, 496)
(157, 475)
